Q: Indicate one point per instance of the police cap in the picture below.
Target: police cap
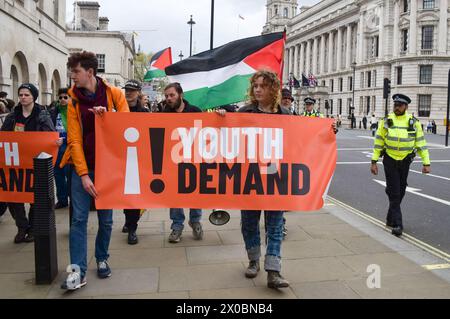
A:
(401, 98)
(309, 100)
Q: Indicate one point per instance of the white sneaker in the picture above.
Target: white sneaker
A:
(74, 281)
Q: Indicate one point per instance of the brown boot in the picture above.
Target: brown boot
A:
(252, 269)
(275, 280)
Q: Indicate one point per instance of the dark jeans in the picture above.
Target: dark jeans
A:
(396, 182)
(20, 216)
(132, 217)
(62, 178)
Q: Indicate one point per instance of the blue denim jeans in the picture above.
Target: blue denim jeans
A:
(61, 178)
(177, 216)
(250, 231)
(81, 202)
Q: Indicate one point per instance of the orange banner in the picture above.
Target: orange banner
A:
(17, 151)
(240, 161)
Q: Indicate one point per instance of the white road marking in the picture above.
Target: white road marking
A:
(417, 191)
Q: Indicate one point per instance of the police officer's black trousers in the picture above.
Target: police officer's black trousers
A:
(396, 182)
(132, 217)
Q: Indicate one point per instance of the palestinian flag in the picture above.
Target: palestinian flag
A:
(221, 76)
(159, 62)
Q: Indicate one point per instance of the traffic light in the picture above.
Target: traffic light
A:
(386, 88)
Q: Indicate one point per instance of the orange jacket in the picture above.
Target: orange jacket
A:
(74, 153)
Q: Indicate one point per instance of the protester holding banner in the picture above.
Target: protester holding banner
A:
(175, 103)
(265, 91)
(59, 118)
(133, 95)
(90, 97)
(27, 116)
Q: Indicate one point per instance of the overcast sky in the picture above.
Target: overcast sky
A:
(169, 20)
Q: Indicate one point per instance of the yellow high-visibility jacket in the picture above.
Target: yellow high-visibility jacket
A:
(314, 113)
(400, 136)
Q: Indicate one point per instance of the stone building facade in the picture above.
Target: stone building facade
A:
(351, 46)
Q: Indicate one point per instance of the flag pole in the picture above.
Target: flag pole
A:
(212, 25)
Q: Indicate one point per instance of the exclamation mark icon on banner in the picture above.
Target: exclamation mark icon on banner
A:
(157, 146)
(132, 181)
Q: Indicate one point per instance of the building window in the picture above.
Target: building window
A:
(101, 63)
(374, 104)
(276, 10)
(369, 79)
(331, 107)
(323, 82)
(406, 5)
(404, 40)
(341, 84)
(368, 99)
(424, 105)
(374, 81)
(426, 74)
(285, 13)
(374, 46)
(362, 80)
(361, 104)
(427, 37)
(350, 83)
(428, 4)
(399, 75)
(340, 106)
(332, 85)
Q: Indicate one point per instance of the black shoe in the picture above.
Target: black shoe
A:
(125, 229)
(21, 236)
(30, 237)
(275, 280)
(132, 238)
(60, 205)
(389, 225)
(397, 231)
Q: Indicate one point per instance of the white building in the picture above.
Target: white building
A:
(32, 46)
(115, 50)
(352, 45)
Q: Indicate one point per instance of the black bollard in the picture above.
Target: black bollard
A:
(45, 251)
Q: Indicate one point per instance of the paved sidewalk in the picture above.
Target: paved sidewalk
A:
(325, 255)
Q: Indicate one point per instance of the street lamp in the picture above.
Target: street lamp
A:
(212, 25)
(191, 22)
(352, 108)
(181, 55)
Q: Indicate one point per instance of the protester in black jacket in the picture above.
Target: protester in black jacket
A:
(132, 93)
(27, 116)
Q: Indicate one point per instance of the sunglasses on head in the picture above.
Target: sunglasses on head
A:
(63, 97)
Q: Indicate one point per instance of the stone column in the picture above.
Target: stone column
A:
(413, 28)
(348, 58)
(443, 27)
(315, 53)
(302, 58)
(330, 52)
(296, 60)
(339, 49)
(308, 58)
(286, 65)
(360, 56)
(396, 37)
(322, 54)
(381, 33)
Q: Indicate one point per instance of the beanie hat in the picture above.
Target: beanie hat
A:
(34, 91)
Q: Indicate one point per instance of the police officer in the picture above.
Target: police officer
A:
(309, 108)
(398, 138)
